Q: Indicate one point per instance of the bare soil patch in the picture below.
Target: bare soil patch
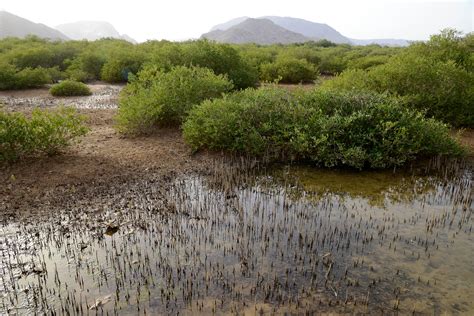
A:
(467, 139)
(104, 96)
(102, 159)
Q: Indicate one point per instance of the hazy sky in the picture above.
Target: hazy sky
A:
(183, 19)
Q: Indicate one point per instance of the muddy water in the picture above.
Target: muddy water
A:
(290, 239)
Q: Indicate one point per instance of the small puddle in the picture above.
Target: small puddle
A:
(295, 240)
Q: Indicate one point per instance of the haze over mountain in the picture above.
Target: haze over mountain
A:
(14, 26)
(311, 31)
(259, 31)
(91, 30)
(265, 30)
(227, 25)
(381, 41)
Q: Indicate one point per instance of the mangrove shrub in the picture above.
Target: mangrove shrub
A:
(326, 127)
(45, 132)
(156, 97)
(69, 88)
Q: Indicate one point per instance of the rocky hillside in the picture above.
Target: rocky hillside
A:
(313, 30)
(237, 31)
(91, 30)
(259, 31)
(14, 26)
(381, 41)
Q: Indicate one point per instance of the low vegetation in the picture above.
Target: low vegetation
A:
(435, 77)
(384, 107)
(45, 132)
(114, 60)
(12, 79)
(157, 97)
(69, 88)
(326, 127)
(289, 70)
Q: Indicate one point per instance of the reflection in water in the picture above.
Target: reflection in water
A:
(289, 240)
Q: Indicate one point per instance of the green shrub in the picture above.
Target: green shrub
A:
(69, 88)
(46, 132)
(350, 79)
(11, 78)
(85, 67)
(301, 52)
(161, 98)
(288, 70)
(166, 55)
(33, 57)
(223, 59)
(367, 62)
(119, 66)
(77, 74)
(55, 74)
(333, 60)
(448, 45)
(32, 78)
(326, 127)
(435, 77)
(247, 121)
(256, 56)
(7, 76)
(442, 89)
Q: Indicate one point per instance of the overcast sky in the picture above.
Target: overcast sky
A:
(184, 19)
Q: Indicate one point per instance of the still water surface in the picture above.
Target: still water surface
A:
(290, 239)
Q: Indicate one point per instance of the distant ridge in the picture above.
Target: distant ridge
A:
(259, 31)
(381, 41)
(311, 31)
(91, 30)
(14, 26)
(227, 25)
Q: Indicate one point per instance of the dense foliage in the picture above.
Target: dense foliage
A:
(45, 132)
(12, 78)
(156, 97)
(379, 111)
(436, 77)
(289, 70)
(325, 127)
(113, 60)
(69, 88)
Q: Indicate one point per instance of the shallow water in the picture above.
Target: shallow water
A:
(291, 239)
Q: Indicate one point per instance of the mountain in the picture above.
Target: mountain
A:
(313, 30)
(381, 41)
(15, 26)
(128, 39)
(91, 30)
(259, 31)
(227, 25)
(309, 30)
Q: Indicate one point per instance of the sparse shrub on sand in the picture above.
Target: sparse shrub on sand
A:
(45, 132)
(156, 97)
(70, 88)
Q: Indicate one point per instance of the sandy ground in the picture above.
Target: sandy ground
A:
(104, 96)
(467, 139)
(101, 159)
